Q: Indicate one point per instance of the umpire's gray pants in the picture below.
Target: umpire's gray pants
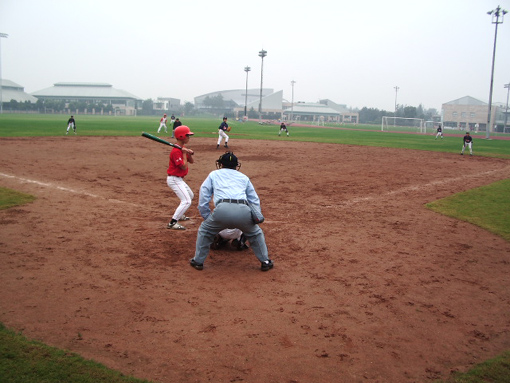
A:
(230, 215)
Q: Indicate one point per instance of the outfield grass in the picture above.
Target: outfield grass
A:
(26, 361)
(487, 207)
(32, 125)
(10, 198)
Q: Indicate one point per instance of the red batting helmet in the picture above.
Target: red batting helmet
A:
(182, 131)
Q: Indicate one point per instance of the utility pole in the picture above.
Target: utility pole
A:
(5, 35)
(262, 54)
(246, 69)
(497, 18)
(292, 104)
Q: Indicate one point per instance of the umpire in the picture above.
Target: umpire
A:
(232, 191)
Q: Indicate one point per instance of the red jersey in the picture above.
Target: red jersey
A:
(175, 162)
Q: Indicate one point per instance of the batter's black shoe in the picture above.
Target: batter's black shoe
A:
(265, 266)
(226, 146)
(198, 266)
(217, 146)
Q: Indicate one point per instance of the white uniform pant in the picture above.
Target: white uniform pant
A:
(222, 135)
(468, 145)
(183, 191)
(162, 125)
(71, 126)
(439, 134)
(230, 233)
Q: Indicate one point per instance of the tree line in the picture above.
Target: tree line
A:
(215, 105)
(374, 115)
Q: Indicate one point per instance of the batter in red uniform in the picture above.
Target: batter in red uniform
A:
(177, 170)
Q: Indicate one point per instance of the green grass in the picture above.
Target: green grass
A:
(487, 207)
(10, 198)
(495, 370)
(26, 361)
(33, 125)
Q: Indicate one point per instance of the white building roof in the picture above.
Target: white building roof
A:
(84, 90)
(13, 91)
(467, 100)
(236, 95)
(309, 108)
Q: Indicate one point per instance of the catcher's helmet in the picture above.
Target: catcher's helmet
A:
(228, 160)
(182, 131)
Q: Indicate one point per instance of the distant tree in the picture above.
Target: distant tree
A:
(372, 115)
(410, 112)
(252, 113)
(188, 108)
(147, 107)
(215, 102)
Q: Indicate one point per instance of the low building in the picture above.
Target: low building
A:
(100, 94)
(233, 101)
(12, 91)
(166, 104)
(468, 113)
(320, 113)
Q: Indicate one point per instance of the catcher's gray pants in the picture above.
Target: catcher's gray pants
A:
(228, 215)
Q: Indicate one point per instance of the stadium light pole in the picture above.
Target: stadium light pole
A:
(262, 54)
(292, 103)
(497, 18)
(396, 92)
(507, 86)
(246, 69)
(4, 35)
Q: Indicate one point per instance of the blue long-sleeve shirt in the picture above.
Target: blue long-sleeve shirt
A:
(225, 184)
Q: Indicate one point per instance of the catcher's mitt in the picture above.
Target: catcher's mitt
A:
(228, 129)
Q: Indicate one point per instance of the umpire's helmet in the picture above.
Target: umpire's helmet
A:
(228, 160)
(182, 131)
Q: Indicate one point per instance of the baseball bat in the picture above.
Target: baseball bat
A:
(160, 140)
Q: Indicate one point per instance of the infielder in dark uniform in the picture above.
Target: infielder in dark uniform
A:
(232, 191)
(467, 142)
(283, 127)
(222, 129)
(71, 124)
(439, 132)
(176, 124)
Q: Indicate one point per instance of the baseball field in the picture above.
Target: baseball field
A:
(369, 285)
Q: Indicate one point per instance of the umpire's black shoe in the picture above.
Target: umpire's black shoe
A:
(265, 266)
(198, 266)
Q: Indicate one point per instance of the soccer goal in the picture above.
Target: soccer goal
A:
(401, 124)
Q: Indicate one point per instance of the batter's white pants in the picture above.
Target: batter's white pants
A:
(222, 135)
(230, 233)
(183, 191)
(470, 146)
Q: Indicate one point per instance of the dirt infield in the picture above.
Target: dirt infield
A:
(368, 285)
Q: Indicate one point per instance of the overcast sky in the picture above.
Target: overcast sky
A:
(351, 52)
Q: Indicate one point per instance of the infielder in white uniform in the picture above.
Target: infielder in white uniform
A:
(162, 123)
